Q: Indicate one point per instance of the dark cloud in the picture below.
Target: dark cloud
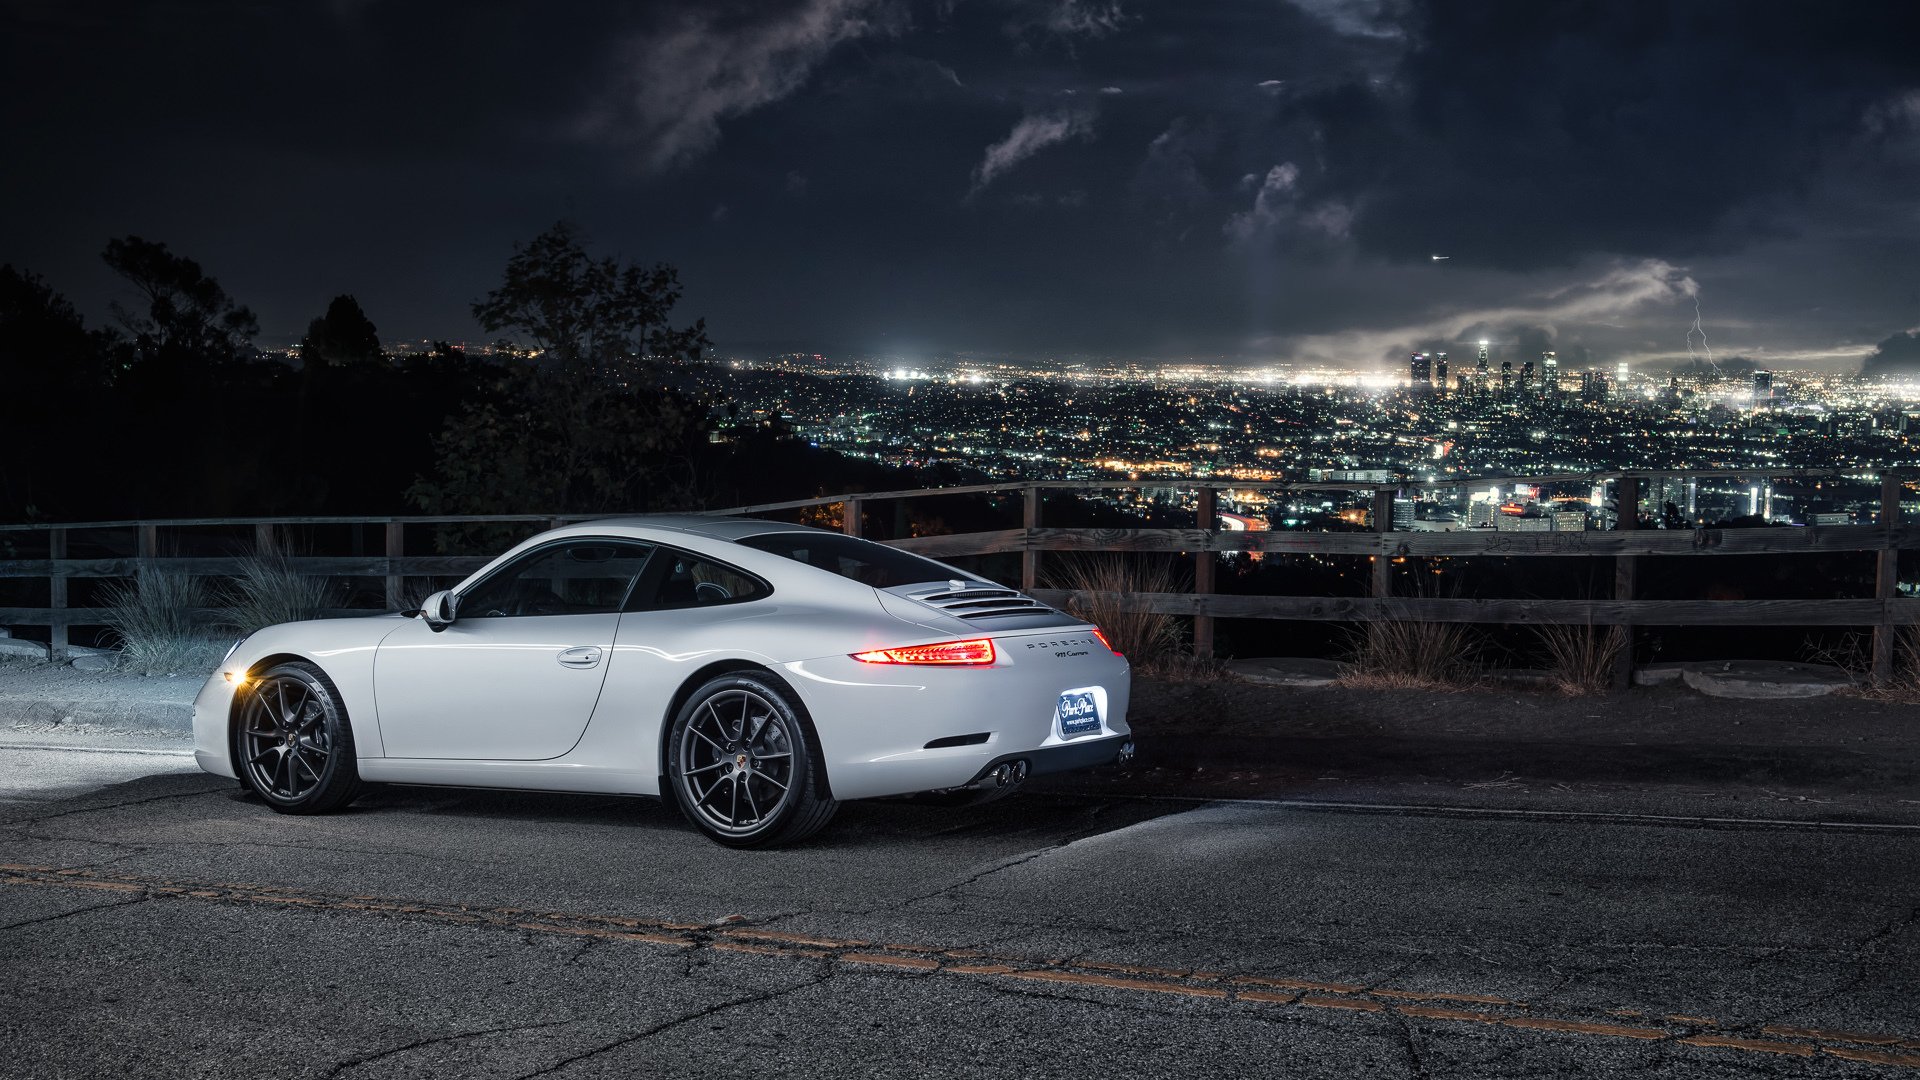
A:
(1533, 134)
(1897, 355)
(1268, 183)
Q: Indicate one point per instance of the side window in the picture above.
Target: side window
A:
(680, 580)
(577, 577)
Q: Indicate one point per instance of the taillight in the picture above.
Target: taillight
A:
(975, 651)
(1108, 644)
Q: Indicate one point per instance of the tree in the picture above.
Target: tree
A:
(55, 372)
(188, 319)
(578, 312)
(344, 335)
(578, 419)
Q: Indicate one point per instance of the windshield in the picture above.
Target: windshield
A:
(862, 560)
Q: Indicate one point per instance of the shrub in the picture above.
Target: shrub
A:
(155, 620)
(1102, 583)
(1581, 659)
(270, 591)
(1401, 654)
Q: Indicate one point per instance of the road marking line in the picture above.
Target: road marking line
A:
(917, 963)
(1582, 1027)
(1763, 1046)
(1287, 992)
(1823, 1035)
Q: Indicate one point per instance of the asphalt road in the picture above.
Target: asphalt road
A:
(171, 926)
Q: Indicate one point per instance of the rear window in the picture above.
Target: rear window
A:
(862, 560)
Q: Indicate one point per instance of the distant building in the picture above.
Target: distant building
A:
(1440, 370)
(1506, 376)
(1550, 373)
(1569, 520)
(1762, 385)
(1403, 514)
(1421, 368)
(1526, 377)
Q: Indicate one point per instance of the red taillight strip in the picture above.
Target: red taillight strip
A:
(974, 652)
(1103, 640)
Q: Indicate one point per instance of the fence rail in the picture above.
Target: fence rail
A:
(1885, 611)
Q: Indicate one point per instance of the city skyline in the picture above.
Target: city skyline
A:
(1315, 181)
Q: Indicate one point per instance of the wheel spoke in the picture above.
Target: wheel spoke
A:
(772, 781)
(733, 808)
(746, 712)
(717, 748)
(707, 768)
(300, 759)
(293, 775)
(758, 728)
(752, 804)
(774, 755)
(285, 717)
(262, 755)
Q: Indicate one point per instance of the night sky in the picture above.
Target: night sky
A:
(1262, 180)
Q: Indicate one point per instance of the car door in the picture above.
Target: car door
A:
(516, 675)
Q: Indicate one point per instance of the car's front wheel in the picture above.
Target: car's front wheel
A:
(744, 766)
(293, 744)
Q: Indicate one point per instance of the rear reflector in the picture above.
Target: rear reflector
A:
(975, 651)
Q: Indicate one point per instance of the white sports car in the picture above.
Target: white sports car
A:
(755, 674)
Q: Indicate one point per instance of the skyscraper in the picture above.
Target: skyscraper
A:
(1762, 385)
(1481, 377)
(1526, 377)
(1550, 372)
(1421, 367)
(1440, 371)
(1506, 376)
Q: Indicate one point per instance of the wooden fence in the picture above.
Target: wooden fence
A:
(1626, 545)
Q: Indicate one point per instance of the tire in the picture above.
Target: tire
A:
(745, 765)
(292, 743)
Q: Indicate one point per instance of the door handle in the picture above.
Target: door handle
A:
(580, 656)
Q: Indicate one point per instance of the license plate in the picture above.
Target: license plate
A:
(1079, 713)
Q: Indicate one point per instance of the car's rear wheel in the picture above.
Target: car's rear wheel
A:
(744, 765)
(293, 744)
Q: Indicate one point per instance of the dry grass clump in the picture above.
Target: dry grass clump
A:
(1581, 659)
(1401, 654)
(157, 623)
(270, 591)
(1102, 586)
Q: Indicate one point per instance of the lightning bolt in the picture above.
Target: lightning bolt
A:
(1696, 328)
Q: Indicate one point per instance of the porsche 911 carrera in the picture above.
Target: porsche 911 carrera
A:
(753, 674)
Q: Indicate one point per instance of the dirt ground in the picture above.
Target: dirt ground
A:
(1225, 737)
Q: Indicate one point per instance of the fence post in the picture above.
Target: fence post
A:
(1203, 567)
(262, 538)
(1626, 518)
(1886, 577)
(57, 591)
(1382, 524)
(396, 581)
(852, 516)
(1029, 555)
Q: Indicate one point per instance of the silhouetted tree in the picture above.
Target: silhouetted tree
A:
(187, 317)
(581, 420)
(344, 335)
(52, 371)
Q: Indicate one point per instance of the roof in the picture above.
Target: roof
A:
(717, 528)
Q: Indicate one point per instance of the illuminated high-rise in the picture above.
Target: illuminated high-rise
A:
(1421, 368)
(1506, 376)
(1440, 371)
(1526, 377)
(1550, 372)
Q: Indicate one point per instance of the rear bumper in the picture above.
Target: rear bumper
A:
(885, 730)
(1068, 757)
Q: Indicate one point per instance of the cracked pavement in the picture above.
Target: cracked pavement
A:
(497, 934)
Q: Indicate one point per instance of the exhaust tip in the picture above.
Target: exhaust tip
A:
(1020, 771)
(1126, 755)
(1003, 776)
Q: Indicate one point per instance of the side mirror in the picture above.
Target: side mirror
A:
(437, 611)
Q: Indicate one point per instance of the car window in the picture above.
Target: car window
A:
(581, 577)
(851, 557)
(681, 580)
